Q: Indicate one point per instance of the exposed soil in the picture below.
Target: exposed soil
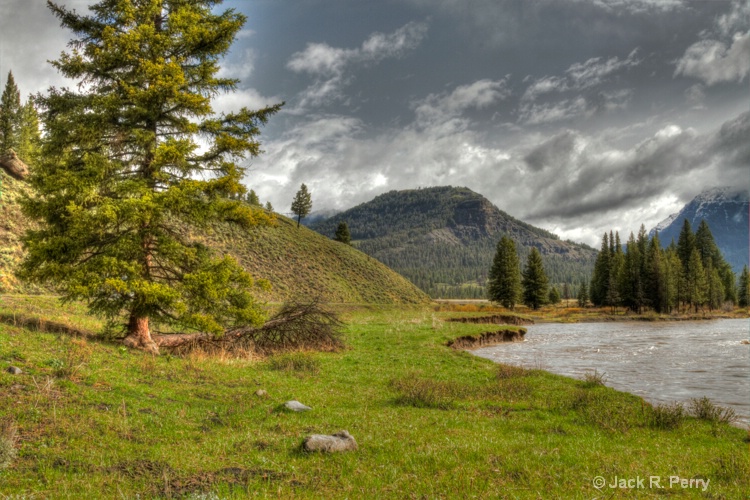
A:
(495, 319)
(487, 339)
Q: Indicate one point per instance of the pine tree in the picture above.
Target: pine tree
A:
(534, 281)
(269, 207)
(554, 296)
(685, 244)
(583, 295)
(302, 204)
(10, 115)
(342, 233)
(695, 281)
(504, 280)
(743, 288)
(29, 137)
(252, 198)
(121, 173)
(600, 278)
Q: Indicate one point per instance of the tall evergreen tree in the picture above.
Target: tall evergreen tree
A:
(504, 280)
(685, 244)
(695, 281)
(600, 278)
(583, 295)
(29, 137)
(121, 171)
(743, 288)
(534, 281)
(342, 233)
(302, 204)
(10, 115)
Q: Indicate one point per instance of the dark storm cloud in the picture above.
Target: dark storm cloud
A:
(575, 115)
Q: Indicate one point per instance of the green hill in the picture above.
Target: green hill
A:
(443, 239)
(297, 262)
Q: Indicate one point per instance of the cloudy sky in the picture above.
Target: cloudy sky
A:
(574, 115)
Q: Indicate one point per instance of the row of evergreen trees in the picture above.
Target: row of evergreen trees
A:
(508, 285)
(19, 123)
(691, 273)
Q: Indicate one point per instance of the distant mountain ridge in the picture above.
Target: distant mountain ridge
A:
(726, 211)
(443, 239)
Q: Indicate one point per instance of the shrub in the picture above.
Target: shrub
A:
(511, 371)
(669, 416)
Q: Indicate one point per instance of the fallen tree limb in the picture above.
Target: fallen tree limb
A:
(295, 326)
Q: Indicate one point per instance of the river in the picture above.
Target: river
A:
(663, 362)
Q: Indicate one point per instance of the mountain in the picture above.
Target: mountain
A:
(297, 262)
(443, 239)
(726, 212)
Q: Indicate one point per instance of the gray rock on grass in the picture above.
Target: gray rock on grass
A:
(296, 406)
(14, 370)
(341, 441)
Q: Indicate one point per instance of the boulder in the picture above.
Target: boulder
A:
(14, 370)
(261, 393)
(296, 406)
(341, 441)
(12, 164)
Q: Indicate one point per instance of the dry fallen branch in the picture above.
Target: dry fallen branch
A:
(296, 326)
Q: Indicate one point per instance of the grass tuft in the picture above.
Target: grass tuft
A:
(704, 409)
(594, 379)
(667, 416)
(298, 362)
(425, 393)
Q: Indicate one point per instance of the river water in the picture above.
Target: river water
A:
(662, 362)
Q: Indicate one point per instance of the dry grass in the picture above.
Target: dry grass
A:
(8, 438)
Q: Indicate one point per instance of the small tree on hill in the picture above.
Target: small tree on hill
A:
(269, 207)
(302, 204)
(534, 281)
(252, 198)
(504, 280)
(342, 233)
(10, 116)
(121, 174)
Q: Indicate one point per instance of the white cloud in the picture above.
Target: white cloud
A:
(330, 64)
(713, 61)
(437, 109)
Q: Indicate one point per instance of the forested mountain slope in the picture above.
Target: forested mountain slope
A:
(726, 212)
(443, 239)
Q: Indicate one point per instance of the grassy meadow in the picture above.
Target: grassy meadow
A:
(91, 419)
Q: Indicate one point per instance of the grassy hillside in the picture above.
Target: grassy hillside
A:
(95, 420)
(444, 238)
(297, 262)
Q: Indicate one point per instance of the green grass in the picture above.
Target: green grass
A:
(95, 420)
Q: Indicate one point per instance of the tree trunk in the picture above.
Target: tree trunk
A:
(139, 335)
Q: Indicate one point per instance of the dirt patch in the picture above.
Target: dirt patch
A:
(487, 339)
(495, 319)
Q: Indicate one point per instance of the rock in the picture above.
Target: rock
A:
(14, 370)
(745, 342)
(341, 441)
(296, 406)
(261, 393)
(13, 165)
